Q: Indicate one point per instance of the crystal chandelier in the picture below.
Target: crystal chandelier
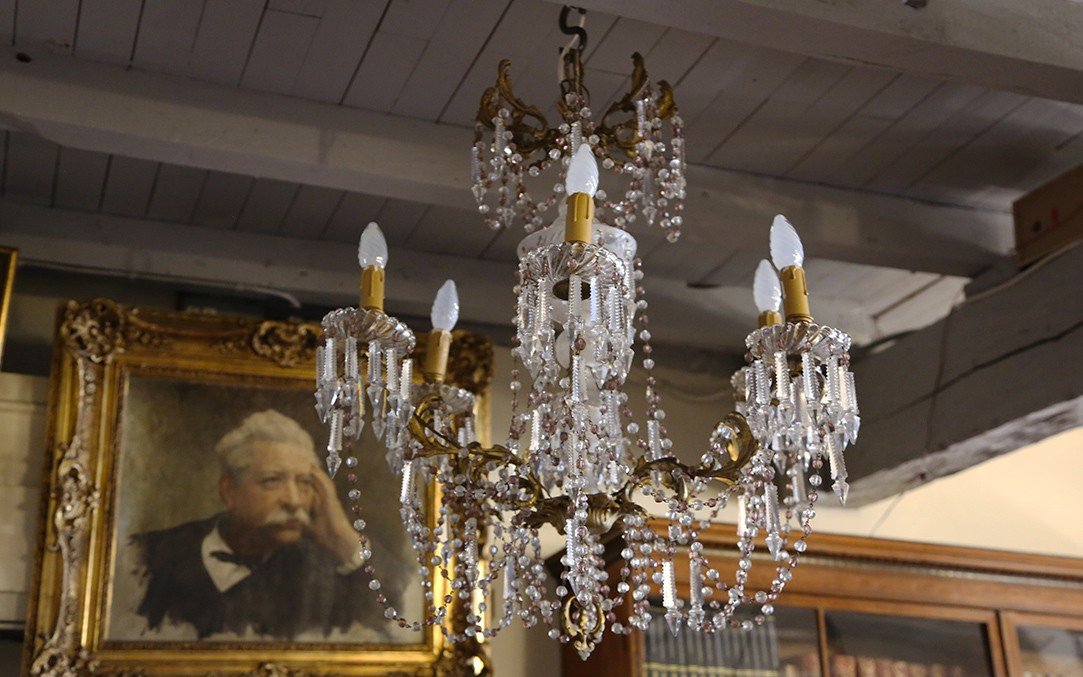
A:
(574, 458)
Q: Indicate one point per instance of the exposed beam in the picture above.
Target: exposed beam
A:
(326, 273)
(997, 374)
(1033, 47)
(169, 119)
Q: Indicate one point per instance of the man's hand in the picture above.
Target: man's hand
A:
(330, 525)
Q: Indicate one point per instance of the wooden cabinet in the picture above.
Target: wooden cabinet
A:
(870, 607)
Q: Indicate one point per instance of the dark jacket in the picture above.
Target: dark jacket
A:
(293, 591)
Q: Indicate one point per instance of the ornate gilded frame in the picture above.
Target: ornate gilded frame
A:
(8, 260)
(98, 344)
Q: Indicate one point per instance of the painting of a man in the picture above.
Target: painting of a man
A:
(229, 529)
(279, 560)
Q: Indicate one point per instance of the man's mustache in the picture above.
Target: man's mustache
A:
(282, 516)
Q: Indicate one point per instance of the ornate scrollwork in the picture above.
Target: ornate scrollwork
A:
(584, 625)
(100, 328)
(287, 344)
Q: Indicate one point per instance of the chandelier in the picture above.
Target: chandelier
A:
(575, 459)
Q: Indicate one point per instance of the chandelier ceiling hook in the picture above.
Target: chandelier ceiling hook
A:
(570, 66)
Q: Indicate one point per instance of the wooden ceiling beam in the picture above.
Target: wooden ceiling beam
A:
(1033, 47)
(169, 119)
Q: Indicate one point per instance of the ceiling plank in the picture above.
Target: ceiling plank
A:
(351, 216)
(50, 22)
(80, 179)
(382, 75)
(1031, 48)
(128, 186)
(178, 121)
(30, 168)
(268, 203)
(166, 35)
(176, 193)
(107, 30)
(280, 48)
(227, 31)
(310, 211)
(222, 199)
(345, 31)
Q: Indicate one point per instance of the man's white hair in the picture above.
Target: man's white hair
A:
(235, 448)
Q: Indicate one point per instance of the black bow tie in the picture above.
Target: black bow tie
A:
(233, 558)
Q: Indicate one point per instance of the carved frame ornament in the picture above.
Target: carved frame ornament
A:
(97, 343)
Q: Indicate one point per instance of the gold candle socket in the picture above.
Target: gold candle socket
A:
(795, 294)
(770, 317)
(577, 225)
(372, 288)
(436, 355)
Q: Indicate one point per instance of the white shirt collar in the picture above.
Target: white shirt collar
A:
(225, 575)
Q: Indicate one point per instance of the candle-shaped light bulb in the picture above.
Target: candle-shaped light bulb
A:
(786, 248)
(788, 256)
(580, 185)
(445, 308)
(445, 313)
(582, 172)
(372, 250)
(372, 255)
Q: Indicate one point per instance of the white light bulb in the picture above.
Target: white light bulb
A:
(372, 250)
(445, 308)
(582, 172)
(786, 249)
(765, 288)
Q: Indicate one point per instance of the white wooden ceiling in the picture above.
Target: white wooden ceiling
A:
(750, 109)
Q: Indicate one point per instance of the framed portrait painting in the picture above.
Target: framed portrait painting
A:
(189, 524)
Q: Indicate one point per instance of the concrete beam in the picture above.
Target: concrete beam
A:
(176, 120)
(1033, 47)
(1000, 372)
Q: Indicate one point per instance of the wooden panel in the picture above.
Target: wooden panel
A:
(267, 205)
(222, 199)
(946, 139)
(1011, 157)
(522, 34)
(107, 30)
(413, 18)
(613, 52)
(796, 116)
(353, 214)
(311, 210)
(383, 73)
(832, 152)
(450, 231)
(7, 21)
(742, 86)
(129, 185)
(344, 32)
(279, 50)
(30, 168)
(166, 35)
(944, 102)
(463, 32)
(176, 193)
(226, 33)
(80, 179)
(399, 218)
(47, 21)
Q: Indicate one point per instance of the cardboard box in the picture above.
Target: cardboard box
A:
(1049, 217)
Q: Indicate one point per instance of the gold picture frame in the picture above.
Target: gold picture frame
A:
(9, 259)
(104, 349)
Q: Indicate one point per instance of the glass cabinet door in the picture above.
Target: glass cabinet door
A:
(1050, 651)
(787, 644)
(875, 645)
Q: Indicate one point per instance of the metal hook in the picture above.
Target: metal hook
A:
(577, 31)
